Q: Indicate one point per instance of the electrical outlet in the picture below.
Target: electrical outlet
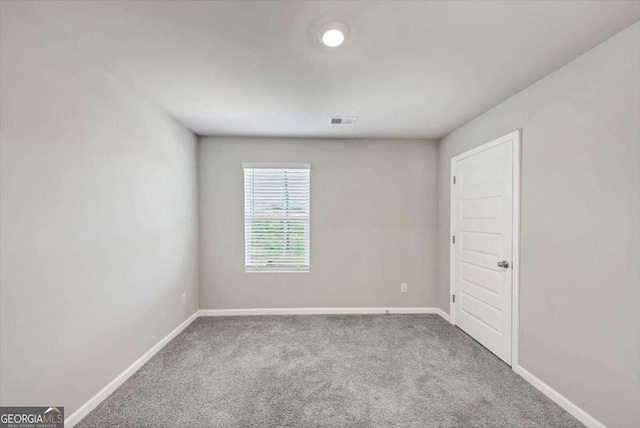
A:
(403, 287)
(184, 298)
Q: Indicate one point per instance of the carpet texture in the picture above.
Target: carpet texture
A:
(326, 371)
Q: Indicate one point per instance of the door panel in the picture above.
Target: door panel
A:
(482, 213)
(480, 277)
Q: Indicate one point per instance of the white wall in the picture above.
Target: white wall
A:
(98, 222)
(373, 224)
(580, 225)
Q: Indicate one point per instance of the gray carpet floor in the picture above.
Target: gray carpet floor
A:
(326, 371)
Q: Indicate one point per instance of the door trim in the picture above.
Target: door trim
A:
(515, 138)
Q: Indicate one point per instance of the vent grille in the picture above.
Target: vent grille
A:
(343, 120)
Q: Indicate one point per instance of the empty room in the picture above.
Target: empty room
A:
(319, 214)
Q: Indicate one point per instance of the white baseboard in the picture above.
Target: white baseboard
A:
(93, 402)
(314, 311)
(588, 420)
(444, 315)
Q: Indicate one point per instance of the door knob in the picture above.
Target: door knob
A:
(503, 264)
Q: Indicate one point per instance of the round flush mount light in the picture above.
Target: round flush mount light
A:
(333, 34)
(333, 38)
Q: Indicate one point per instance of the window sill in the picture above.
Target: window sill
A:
(252, 269)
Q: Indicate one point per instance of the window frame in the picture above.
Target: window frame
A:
(302, 268)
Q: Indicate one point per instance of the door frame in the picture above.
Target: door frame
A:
(515, 138)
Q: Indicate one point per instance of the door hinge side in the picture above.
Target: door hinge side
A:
(453, 297)
(454, 179)
(454, 239)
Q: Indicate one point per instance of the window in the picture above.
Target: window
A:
(276, 217)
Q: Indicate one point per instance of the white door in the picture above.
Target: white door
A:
(482, 209)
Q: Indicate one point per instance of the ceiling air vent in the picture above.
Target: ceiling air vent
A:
(343, 120)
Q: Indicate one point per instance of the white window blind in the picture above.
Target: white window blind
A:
(276, 217)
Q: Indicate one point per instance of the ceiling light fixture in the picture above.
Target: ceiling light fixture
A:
(333, 34)
(333, 38)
